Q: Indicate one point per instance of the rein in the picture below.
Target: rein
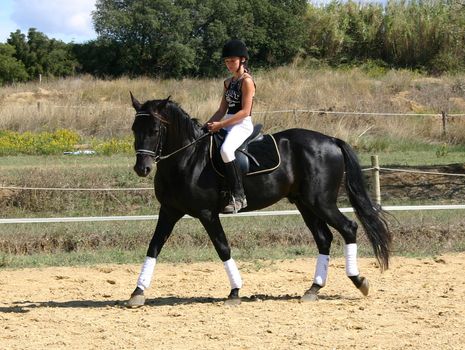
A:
(157, 157)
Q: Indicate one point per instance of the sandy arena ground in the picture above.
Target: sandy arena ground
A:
(417, 304)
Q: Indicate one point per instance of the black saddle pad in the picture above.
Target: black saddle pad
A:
(261, 156)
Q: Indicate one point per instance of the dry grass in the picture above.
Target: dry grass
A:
(102, 108)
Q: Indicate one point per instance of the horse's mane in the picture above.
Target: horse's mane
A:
(178, 119)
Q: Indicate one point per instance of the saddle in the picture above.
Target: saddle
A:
(257, 155)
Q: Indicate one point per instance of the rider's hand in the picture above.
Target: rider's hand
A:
(214, 126)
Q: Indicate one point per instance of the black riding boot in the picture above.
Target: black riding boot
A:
(234, 180)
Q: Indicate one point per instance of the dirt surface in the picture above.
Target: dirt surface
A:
(417, 304)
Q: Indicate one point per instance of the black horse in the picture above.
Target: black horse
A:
(309, 175)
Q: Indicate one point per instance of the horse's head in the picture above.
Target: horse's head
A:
(149, 130)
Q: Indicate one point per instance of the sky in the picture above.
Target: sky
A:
(66, 20)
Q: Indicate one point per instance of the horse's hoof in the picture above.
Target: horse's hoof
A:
(232, 302)
(309, 297)
(311, 294)
(136, 301)
(364, 287)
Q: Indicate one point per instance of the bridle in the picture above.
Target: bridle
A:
(158, 148)
(156, 155)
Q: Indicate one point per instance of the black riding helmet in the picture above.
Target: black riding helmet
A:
(235, 48)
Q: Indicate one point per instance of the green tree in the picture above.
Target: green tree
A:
(278, 33)
(11, 70)
(19, 42)
(185, 37)
(101, 58)
(153, 36)
(41, 55)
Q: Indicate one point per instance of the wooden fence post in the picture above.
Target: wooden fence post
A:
(376, 182)
(444, 123)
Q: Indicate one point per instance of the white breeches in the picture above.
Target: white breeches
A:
(237, 134)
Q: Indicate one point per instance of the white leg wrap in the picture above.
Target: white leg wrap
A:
(146, 273)
(350, 252)
(233, 274)
(321, 270)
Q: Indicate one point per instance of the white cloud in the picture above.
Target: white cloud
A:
(56, 18)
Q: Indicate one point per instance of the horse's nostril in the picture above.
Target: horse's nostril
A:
(142, 171)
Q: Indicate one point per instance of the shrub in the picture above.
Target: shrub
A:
(12, 143)
(112, 146)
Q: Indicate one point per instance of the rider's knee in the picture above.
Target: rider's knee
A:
(227, 154)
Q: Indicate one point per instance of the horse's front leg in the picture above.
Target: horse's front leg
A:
(212, 224)
(166, 220)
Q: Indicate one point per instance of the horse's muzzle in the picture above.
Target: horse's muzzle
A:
(143, 166)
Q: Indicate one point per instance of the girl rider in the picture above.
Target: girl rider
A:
(234, 115)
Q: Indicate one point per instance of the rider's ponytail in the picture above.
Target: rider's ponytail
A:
(246, 67)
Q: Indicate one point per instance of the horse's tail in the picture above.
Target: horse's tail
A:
(370, 214)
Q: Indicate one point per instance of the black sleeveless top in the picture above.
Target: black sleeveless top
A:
(233, 95)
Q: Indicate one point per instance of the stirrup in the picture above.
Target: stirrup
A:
(235, 205)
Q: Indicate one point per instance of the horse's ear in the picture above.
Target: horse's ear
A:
(136, 104)
(163, 103)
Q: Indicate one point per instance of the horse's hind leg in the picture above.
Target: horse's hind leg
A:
(215, 231)
(323, 238)
(348, 229)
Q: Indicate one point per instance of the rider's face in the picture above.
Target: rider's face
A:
(232, 63)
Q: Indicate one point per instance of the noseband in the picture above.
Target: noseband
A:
(156, 155)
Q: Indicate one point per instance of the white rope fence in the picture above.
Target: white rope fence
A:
(309, 111)
(322, 111)
(250, 214)
(420, 172)
(394, 170)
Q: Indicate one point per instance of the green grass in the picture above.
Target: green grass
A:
(415, 158)
(427, 154)
(20, 161)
